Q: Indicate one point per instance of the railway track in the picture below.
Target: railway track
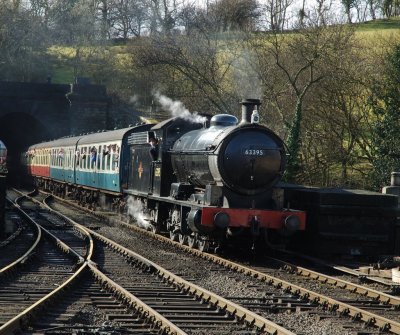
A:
(173, 304)
(357, 308)
(351, 272)
(18, 243)
(31, 279)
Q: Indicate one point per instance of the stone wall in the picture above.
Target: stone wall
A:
(61, 109)
(89, 108)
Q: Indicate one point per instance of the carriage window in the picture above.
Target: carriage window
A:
(84, 158)
(93, 157)
(115, 157)
(104, 157)
(99, 158)
(107, 157)
(81, 159)
(69, 159)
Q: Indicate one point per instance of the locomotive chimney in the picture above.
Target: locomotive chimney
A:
(395, 179)
(248, 106)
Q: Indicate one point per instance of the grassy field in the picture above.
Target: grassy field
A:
(368, 31)
(377, 25)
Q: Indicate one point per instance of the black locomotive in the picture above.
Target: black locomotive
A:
(212, 181)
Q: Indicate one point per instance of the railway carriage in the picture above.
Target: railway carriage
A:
(37, 160)
(62, 159)
(98, 160)
(101, 167)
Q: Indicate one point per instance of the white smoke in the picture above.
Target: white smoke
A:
(134, 99)
(177, 109)
(135, 210)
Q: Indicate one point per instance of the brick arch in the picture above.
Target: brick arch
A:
(18, 131)
(35, 112)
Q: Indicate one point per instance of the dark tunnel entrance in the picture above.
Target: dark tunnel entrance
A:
(18, 131)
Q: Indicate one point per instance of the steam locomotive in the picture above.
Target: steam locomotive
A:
(202, 183)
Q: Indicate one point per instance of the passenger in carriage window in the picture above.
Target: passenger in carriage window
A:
(115, 158)
(93, 157)
(78, 157)
(106, 150)
(106, 157)
(83, 159)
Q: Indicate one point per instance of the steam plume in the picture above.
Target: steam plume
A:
(135, 209)
(177, 109)
(134, 99)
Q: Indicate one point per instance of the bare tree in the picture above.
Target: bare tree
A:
(188, 16)
(348, 5)
(127, 17)
(323, 7)
(163, 15)
(276, 14)
(336, 128)
(372, 5)
(22, 44)
(202, 63)
(232, 15)
(291, 66)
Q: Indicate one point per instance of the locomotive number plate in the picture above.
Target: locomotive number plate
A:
(254, 152)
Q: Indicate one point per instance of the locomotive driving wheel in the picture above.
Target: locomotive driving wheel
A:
(173, 227)
(203, 244)
(183, 239)
(192, 241)
(173, 236)
(154, 225)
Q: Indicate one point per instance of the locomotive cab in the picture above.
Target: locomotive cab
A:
(148, 175)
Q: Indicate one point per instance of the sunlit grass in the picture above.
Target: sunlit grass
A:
(381, 24)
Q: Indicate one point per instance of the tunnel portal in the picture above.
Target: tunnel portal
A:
(36, 112)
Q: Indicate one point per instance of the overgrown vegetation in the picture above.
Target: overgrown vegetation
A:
(386, 131)
(330, 89)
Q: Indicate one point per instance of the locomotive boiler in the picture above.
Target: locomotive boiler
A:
(247, 160)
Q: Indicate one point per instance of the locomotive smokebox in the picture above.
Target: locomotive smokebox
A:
(248, 106)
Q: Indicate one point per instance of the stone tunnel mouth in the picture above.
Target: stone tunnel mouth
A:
(18, 131)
